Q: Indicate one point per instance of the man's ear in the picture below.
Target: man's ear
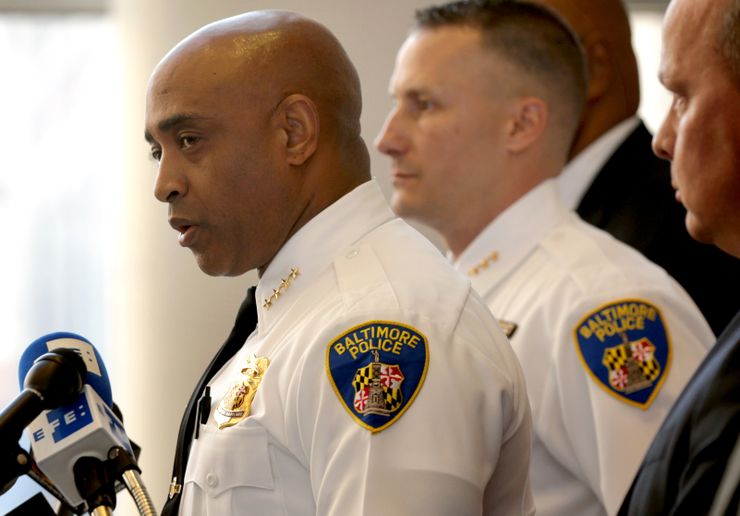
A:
(298, 120)
(528, 121)
(600, 67)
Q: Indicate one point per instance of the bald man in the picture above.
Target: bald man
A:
(613, 179)
(690, 468)
(376, 382)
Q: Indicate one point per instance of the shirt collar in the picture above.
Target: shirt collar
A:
(505, 242)
(580, 172)
(312, 249)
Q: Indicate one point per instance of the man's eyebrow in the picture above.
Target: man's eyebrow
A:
(412, 93)
(175, 120)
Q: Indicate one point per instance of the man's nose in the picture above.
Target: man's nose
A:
(170, 182)
(391, 139)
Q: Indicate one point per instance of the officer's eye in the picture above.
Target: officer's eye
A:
(187, 141)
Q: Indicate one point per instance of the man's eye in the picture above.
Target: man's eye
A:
(187, 141)
(679, 103)
(424, 104)
(156, 154)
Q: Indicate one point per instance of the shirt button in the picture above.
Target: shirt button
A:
(352, 253)
(212, 479)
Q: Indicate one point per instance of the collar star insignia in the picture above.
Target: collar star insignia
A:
(508, 327)
(284, 284)
(483, 264)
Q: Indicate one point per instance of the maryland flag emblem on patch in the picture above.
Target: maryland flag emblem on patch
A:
(378, 388)
(376, 370)
(626, 350)
(632, 365)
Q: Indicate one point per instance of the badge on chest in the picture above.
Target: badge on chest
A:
(237, 402)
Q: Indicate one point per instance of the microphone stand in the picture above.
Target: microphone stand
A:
(15, 462)
(95, 485)
(123, 466)
(96, 482)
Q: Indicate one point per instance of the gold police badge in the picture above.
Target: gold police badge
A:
(238, 400)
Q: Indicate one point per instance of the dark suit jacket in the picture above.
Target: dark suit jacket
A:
(632, 198)
(685, 463)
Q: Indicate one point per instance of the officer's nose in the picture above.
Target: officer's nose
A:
(170, 182)
(392, 139)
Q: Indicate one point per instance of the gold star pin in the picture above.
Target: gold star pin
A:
(483, 264)
(284, 284)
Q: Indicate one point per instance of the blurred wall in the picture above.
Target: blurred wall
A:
(169, 317)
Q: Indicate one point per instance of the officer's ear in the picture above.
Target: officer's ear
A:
(297, 119)
(600, 66)
(527, 121)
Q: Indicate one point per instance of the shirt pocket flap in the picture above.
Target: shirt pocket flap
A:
(225, 459)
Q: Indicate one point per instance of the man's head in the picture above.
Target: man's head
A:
(700, 66)
(603, 28)
(254, 123)
(488, 95)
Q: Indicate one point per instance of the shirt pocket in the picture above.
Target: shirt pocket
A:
(230, 472)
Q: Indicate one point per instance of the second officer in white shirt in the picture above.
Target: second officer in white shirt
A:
(488, 97)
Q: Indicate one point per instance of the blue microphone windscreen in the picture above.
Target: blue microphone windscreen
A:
(97, 376)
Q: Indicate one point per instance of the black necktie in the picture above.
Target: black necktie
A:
(246, 321)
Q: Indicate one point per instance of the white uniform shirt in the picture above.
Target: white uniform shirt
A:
(541, 268)
(462, 441)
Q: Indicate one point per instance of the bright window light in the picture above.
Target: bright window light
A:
(60, 101)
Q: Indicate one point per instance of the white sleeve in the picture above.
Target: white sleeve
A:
(622, 363)
(458, 446)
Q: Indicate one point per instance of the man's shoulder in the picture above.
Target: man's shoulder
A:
(393, 288)
(714, 392)
(689, 452)
(400, 259)
(593, 259)
(597, 273)
(395, 272)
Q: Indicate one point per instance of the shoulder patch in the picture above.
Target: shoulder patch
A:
(626, 349)
(377, 369)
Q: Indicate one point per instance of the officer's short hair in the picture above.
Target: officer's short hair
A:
(529, 36)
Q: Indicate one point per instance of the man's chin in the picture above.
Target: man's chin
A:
(401, 206)
(410, 209)
(212, 268)
(698, 231)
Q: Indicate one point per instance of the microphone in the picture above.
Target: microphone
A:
(97, 376)
(82, 446)
(52, 379)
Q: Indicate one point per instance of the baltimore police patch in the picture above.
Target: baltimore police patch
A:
(377, 369)
(625, 348)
